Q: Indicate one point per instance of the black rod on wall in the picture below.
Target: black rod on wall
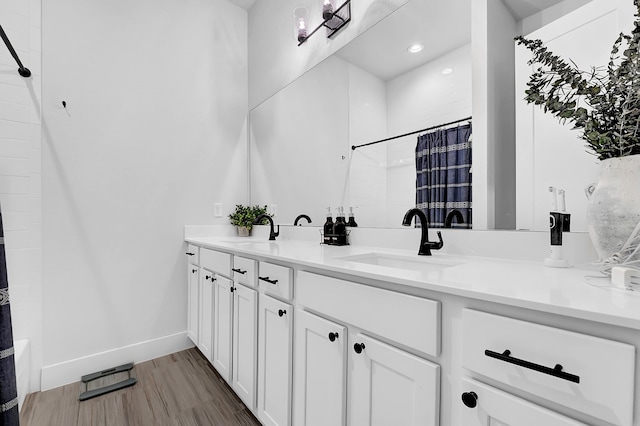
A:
(353, 147)
(22, 70)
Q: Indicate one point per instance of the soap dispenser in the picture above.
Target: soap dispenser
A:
(328, 227)
(340, 228)
(352, 219)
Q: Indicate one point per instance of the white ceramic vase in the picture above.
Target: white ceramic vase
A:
(614, 204)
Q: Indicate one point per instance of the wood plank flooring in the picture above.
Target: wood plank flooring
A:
(180, 389)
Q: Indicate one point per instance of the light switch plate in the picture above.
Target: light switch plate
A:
(217, 209)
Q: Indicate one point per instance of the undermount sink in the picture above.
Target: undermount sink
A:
(418, 263)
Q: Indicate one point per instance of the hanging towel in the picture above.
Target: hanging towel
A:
(9, 414)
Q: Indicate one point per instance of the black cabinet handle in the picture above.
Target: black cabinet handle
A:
(358, 347)
(232, 289)
(268, 280)
(207, 277)
(193, 271)
(238, 270)
(555, 371)
(470, 399)
(190, 254)
(281, 312)
(333, 336)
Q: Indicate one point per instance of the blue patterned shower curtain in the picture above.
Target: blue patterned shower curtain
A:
(443, 175)
(9, 415)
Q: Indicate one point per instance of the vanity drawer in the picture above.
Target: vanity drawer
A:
(193, 254)
(275, 279)
(244, 270)
(408, 320)
(596, 376)
(216, 261)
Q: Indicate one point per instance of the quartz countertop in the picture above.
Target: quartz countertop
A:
(579, 292)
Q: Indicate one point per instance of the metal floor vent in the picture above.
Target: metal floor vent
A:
(101, 382)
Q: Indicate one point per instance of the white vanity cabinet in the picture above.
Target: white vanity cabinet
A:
(193, 283)
(485, 405)
(386, 384)
(223, 323)
(587, 374)
(205, 317)
(245, 342)
(320, 371)
(275, 335)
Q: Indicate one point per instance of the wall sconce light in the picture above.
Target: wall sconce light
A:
(332, 19)
(300, 21)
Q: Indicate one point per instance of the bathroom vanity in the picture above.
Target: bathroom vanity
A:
(309, 334)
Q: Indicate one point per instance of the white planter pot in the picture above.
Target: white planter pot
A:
(614, 204)
(243, 231)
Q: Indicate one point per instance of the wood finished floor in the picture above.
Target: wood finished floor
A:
(178, 389)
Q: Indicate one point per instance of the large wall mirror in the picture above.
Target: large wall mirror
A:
(300, 138)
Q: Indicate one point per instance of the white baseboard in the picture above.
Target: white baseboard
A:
(23, 368)
(66, 372)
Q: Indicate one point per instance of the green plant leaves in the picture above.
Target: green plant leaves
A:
(610, 117)
(246, 215)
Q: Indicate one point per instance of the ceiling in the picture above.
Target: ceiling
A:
(245, 4)
(440, 25)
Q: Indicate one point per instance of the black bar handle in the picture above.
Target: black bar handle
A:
(555, 371)
(24, 72)
(268, 280)
(190, 254)
(238, 270)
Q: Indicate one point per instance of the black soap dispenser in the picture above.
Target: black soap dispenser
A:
(328, 227)
(352, 219)
(340, 228)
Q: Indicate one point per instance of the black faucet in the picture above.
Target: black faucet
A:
(302, 216)
(425, 244)
(272, 234)
(453, 214)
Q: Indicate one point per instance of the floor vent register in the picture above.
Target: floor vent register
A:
(101, 382)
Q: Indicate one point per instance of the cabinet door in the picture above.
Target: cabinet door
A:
(245, 341)
(205, 335)
(192, 302)
(320, 371)
(274, 361)
(483, 405)
(391, 387)
(222, 316)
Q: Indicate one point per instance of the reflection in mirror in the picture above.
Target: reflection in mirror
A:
(373, 88)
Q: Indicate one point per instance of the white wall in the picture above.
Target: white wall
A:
(20, 169)
(274, 56)
(299, 145)
(153, 134)
(492, 31)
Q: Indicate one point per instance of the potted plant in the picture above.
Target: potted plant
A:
(244, 217)
(603, 104)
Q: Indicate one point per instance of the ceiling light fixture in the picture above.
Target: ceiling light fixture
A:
(415, 48)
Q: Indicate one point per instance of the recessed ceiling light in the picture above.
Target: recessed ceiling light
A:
(415, 48)
(447, 70)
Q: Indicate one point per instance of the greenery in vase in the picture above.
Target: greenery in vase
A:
(245, 216)
(603, 103)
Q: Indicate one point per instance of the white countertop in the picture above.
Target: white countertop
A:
(577, 292)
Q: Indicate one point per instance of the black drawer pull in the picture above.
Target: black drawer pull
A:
(555, 371)
(281, 312)
(268, 280)
(193, 271)
(190, 254)
(470, 399)
(358, 348)
(238, 270)
(333, 336)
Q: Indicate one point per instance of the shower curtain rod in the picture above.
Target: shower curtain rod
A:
(353, 147)
(24, 72)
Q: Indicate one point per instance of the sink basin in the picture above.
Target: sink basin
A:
(418, 263)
